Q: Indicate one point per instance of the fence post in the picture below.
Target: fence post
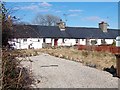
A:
(117, 54)
(118, 64)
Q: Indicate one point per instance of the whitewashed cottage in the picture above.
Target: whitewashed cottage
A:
(36, 36)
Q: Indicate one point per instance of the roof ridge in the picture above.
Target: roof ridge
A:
(66, 27)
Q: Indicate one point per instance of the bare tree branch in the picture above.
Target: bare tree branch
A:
(46, 20)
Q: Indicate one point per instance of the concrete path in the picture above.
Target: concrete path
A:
(52, 72)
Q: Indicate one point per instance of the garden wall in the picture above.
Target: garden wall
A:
(104, 48)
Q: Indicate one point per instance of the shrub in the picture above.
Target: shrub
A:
(13, 74)
(114, 43)
(85, 53)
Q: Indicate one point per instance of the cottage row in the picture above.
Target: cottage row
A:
(36, 36)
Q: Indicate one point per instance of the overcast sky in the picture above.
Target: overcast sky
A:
(80, 14)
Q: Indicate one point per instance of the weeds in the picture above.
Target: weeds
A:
(95, 59)
(85, 53)
(14, 76)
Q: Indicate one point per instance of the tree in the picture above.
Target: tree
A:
(7, 21)
(5, 25)
(12, 75)
(46, 20)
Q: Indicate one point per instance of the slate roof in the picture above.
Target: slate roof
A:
(83, 32)
(112, 33)
(35, 31)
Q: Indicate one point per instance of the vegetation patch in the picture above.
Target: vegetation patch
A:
(14, 75)
(99, 60)
(94, 59)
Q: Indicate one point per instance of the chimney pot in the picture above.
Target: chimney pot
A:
(61, 25)
(103, 26)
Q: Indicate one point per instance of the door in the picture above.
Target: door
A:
(55, 42)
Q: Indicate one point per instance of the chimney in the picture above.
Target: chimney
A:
(103, 26)
(61, 25)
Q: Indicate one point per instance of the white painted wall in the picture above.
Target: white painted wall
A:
(98, 41)
(48, 40)
(118, 41)
(67, 42)
(82, 41)
(60, 42)
(21, 44)
(52, 42)
(109, 41)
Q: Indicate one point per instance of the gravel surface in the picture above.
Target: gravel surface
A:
(53, 72)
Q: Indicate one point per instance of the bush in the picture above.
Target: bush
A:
(114, 43)
(85, 53)
(13, 74)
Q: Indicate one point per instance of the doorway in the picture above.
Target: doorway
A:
(55, 42)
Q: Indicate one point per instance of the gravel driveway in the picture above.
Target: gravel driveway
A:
(53, 72)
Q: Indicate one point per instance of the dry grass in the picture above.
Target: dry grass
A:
(98, 59)
(24, 53)
(14, 76)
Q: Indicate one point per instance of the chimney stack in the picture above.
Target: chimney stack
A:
(103, 26)
(61, 25)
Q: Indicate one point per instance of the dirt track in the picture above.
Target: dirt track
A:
(52, 72)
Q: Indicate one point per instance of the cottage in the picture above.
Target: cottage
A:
(36, 36)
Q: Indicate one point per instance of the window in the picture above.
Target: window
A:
(77, 40)
(13, 44)
(93, 42)
(82, 39)
(38, 40)
(25, 40)
(103, 41)
(65, 40)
